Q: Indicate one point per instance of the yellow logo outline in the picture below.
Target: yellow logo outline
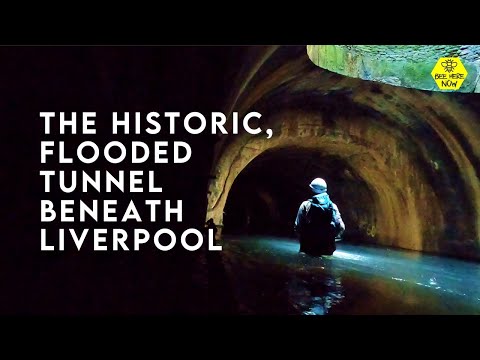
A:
(449, 73)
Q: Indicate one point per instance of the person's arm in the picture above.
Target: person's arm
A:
(339, 224)
(300, 217)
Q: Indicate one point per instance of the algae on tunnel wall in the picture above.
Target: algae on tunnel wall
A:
(400, 65)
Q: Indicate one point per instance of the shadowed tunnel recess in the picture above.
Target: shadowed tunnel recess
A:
(266, 195)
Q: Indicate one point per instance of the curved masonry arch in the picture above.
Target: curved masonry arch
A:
(417, 150)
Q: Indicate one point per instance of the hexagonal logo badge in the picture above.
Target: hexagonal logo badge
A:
(449, 73)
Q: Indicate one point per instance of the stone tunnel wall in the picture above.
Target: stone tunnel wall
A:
(417, 150)
(402, 194)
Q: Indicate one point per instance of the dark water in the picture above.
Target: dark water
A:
(268, 276)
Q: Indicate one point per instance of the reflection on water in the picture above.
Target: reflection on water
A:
(269, 276)
(316, 286)
(317, 296)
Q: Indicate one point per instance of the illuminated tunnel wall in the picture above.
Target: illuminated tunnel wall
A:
(402, 164)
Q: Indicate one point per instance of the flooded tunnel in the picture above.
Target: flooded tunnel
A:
(401, 162)
(401, 158)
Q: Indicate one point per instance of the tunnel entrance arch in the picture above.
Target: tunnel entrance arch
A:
(402, 196)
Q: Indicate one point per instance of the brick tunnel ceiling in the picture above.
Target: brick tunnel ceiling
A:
(400, 65)
(402, 163)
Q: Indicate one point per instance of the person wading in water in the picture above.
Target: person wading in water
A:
(318, 223)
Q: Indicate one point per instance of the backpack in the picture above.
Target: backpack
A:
(320, 218)
(318, 235)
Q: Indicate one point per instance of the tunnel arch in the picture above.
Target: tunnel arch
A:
(379, 165)
(417, 149)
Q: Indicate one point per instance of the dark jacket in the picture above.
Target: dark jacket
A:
(318, 223)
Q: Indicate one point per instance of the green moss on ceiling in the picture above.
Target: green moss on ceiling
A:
(400, 65)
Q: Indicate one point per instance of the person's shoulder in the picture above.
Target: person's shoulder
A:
(306, 203)
(334, 206)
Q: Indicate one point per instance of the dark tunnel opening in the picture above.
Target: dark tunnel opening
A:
(266, 195)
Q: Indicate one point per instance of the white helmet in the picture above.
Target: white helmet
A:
(318, 186)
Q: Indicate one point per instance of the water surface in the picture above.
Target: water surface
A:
(268, 276)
